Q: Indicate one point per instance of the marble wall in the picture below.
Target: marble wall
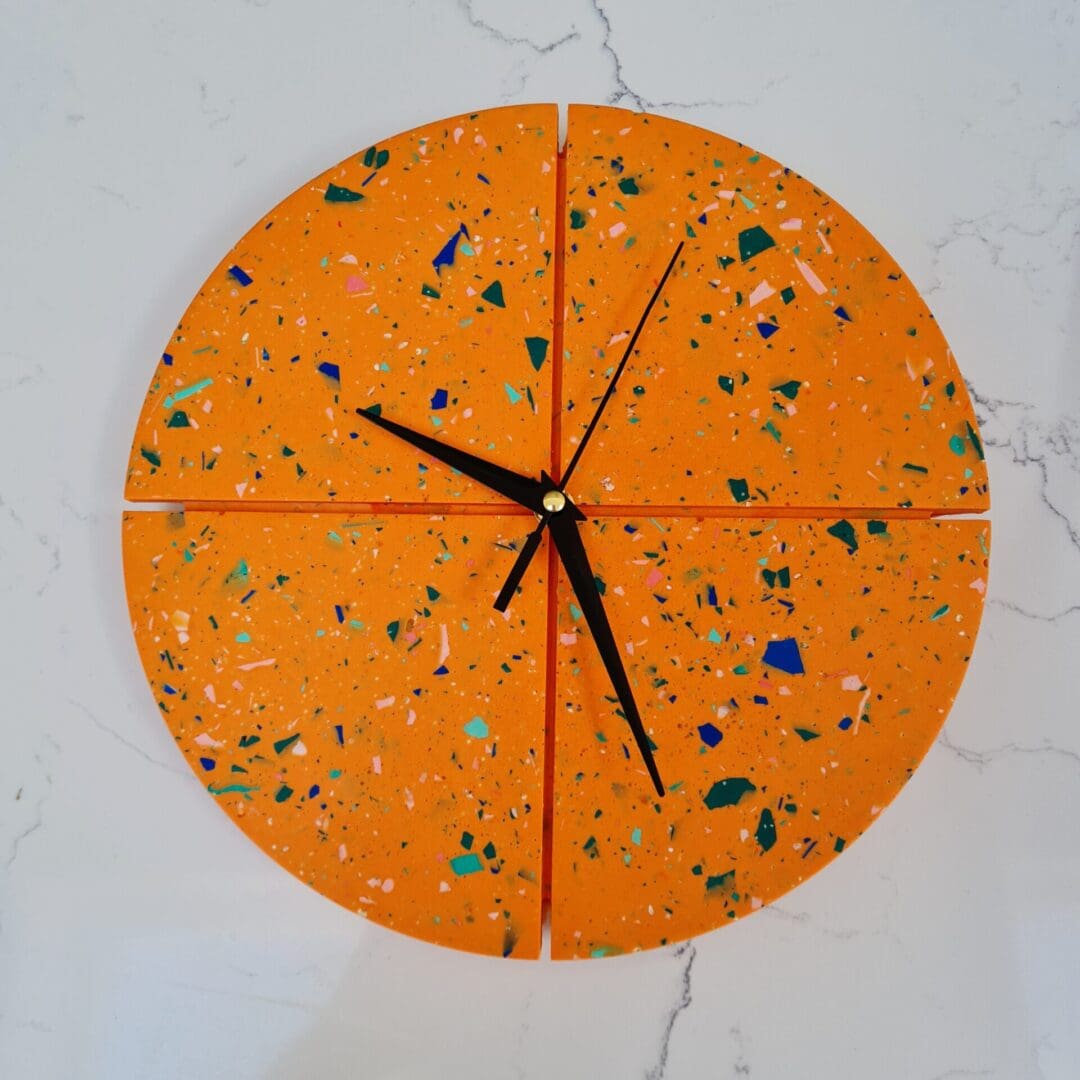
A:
(140, 936)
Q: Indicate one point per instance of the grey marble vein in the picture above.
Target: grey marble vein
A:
(981, 758)
(687, 952)
(622, 92)
(468, 8)
(44, 770)
(124, 741)
(1050, 445)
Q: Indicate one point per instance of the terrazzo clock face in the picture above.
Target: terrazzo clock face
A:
(743, 626)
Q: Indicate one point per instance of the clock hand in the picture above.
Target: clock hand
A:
(522, 489)
(622, 364)
(517, 571)
(571, 549)
(521, 564)
(554, 501)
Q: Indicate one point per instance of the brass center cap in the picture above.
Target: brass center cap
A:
(554, 501)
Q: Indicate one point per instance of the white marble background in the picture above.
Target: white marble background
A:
(142, 937)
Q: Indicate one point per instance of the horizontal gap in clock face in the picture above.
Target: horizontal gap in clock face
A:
(621, 510)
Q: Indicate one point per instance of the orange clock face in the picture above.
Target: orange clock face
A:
(695, 413)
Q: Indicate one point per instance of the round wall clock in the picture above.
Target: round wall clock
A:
(562, 534)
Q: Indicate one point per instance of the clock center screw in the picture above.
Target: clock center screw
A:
(554, 501)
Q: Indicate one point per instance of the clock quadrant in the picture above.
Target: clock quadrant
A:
(383, 744)
(791, 674)
(414, 277)
(790, 363)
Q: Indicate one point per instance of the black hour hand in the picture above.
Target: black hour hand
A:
(521, 489)
(528, 549)
(571, 549)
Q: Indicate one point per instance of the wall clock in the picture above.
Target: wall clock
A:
(575, 532)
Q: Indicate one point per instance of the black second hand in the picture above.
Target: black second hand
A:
(532, 544)
(565, 478)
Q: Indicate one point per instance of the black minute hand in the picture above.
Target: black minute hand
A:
(571, 549)
(522, 489)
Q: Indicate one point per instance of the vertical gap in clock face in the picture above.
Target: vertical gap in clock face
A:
(553, 562)
(559, 323)
(550, 698)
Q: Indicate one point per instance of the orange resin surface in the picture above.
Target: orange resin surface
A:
(793, 364)
(385, 744)
(416, 275)
(317, 624)
(791, 674)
